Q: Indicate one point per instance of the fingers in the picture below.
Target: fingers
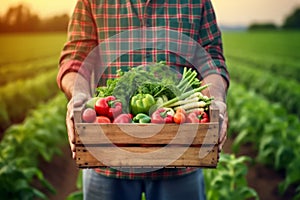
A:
(76, 101)
(71, 132)
(79, 99)
(223, 120)
(223, 130)
(70, 129)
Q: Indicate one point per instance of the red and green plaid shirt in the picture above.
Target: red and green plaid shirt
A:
(95, 21)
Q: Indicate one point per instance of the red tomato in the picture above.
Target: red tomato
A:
(123, 118)
(181, 110)
(89, 115)
(102, 120)
(179, 118)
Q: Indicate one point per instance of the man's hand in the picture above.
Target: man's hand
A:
(218, 90)
(76, 101)
(223, 120)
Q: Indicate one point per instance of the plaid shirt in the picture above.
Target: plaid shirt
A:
(95, 21)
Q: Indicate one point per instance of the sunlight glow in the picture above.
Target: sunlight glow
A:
(229, 12)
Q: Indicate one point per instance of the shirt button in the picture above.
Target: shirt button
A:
(148, 24)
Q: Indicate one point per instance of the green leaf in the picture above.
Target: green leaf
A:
(79, 180)
(282, 157)
(78, 195)
(39, 194)
(240, 139)
(247, 193)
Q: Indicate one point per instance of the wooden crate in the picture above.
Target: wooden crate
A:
(147, 145)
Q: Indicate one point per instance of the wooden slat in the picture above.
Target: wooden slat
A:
(147, 133)
(78, 114)
(147, 157)
(213, 113)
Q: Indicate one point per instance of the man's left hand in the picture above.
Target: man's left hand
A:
(223, 120)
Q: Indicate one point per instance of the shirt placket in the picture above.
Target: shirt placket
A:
(146, 22)
(147, 12)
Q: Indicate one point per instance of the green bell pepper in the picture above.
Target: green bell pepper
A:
(142, 118)
(91, 102)
(141, 103)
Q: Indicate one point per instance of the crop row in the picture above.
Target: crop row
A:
(17, 48)
(275, 88)
(270, 128)
(24, 70)
(41, 135)
(273, 51)
(285, 68)
(20, 96)
(270, 46)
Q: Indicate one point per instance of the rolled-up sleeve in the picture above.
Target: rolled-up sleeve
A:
(82, 39)
(211, 40)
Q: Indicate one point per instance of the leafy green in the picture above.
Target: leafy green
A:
(273, 132)
(156, 79)
(104, 91)
(159, 89)
(128, 84)
(162, 72)
(228, 180)
(23, 145)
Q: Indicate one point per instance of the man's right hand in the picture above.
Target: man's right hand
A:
(76, 101)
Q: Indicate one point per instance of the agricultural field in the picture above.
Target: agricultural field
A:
(27, 62)
(263, 143)
(263, 103)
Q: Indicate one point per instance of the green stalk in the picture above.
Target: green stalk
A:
(192, 105)
(185, 101)
(160, 91)
(190, 83)
(184, 73)
(184, 95)
(186, 79)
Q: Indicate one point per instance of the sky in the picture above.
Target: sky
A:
(229, 12)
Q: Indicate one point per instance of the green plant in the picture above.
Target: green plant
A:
(18, 97)
(228, 181)
(77, 195)
(40, 136)
(273, 132)
(273, 87)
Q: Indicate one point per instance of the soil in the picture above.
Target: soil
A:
(62, 174)
(261, 178)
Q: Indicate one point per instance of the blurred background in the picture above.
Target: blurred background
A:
(261, 158)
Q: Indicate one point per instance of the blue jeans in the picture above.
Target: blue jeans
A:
(187, 187)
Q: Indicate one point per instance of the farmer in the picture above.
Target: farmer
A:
(94, 21)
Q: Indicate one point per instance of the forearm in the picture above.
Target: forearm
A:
(217, 88)
(73, 83)
(81, 41)
(215, 72)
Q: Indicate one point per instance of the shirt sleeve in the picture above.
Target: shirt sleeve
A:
(211, 40)
(82, 38)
